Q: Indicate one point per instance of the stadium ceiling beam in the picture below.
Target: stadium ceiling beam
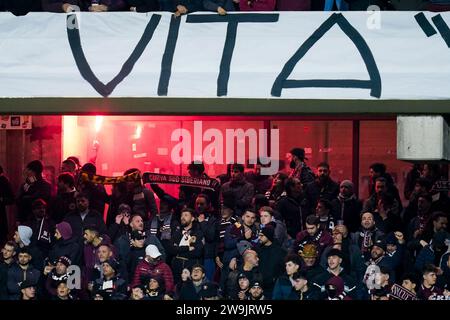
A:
(219, 106)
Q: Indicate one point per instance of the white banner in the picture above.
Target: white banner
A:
(293, 55)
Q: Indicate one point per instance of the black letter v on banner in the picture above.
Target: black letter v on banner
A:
(73, 35)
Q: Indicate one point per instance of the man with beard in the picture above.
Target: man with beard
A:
(64, 202)
(190, 288)
(242, 190)
(249, 268)
(438, 222)
(378, 170)
(382, 196)
(380, 259)
(55, 274)
(104, 253)
(83, 217)
(239, 231)
(22, 238)
(347, 206)
(206, 216)
(136, 223)
(111, 286)
(271, 256)
(65, 244)
(293, 207)
(323, 186)
(299, 168)
(20, 272)
(267, 216)
(256, 292)
(312, 235)
(92, 241)
(367, 235)
(8, 260)
(187, 244)
(153, 265)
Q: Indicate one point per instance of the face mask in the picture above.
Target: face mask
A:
(292, 164)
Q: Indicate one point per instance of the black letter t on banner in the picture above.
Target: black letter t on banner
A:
(233, 20)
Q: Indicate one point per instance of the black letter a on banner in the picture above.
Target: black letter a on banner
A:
(374, 84)
(73, 34)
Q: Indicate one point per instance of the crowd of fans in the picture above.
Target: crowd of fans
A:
(298, 235)
(179, 7)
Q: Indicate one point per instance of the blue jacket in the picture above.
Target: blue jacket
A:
(15, 277)
(282, 289)
(427, 256)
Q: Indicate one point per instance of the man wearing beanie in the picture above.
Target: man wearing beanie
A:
(347, 207)
(112, 286)
(380, 259)
(55, 274)
(34, 187)
(271, 258)
(22, 237)
(65, 244)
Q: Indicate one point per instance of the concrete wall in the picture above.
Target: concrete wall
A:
(423, 138)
